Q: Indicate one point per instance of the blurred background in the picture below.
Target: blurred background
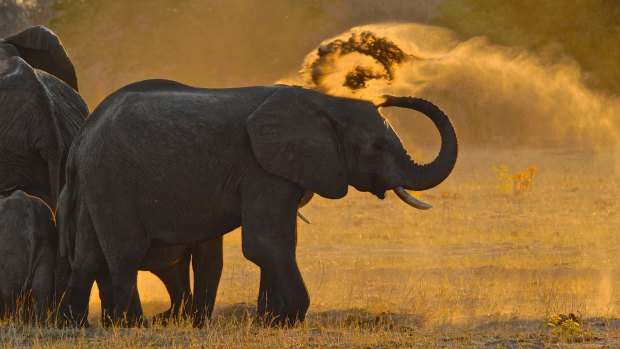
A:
(533, 72)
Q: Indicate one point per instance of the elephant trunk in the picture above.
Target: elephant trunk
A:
(54, 168)
(426, 176)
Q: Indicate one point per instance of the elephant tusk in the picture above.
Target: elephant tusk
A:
(303, 218)
(410, 200)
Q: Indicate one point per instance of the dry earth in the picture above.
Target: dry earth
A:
(483, 268)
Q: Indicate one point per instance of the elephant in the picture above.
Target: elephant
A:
(160, 163)
(27, 254)
(40, 113)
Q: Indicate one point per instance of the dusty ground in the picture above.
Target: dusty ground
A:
(483, 268)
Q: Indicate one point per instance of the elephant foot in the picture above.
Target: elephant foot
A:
(128, 322)
(65, 322)
(199, 320)
(277, 313)
(279, 320)
(169, 317)
(66, 318)
(106, 321)
(164, 318)
(278, 309)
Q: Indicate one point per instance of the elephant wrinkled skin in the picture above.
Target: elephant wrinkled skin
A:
(174, 164)
(27, 254)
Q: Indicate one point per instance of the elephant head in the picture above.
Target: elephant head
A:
(326, 143)
(42, 49)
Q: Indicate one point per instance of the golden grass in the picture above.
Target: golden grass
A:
(481, 269)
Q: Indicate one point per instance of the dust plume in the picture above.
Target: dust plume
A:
(495, 94)
(205, 43)
(382, 50)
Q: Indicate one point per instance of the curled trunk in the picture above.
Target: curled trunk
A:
(426, 176)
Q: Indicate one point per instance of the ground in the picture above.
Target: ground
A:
(486, 267)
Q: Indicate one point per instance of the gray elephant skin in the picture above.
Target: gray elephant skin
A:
(160, 163)
(27, 255)
(40, 112)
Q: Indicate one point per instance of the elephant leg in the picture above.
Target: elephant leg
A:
(127, 305)
(269, 240)
(106, 296)
(266, 293)
(207, 262)
(283, 299)
(73, 308)
(87, 264)
(43, 285)
(176, 280)
(123, 260)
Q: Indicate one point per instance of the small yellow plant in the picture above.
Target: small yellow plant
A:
(568, 326)
(503, 180)
(523, 180)
(519, 183)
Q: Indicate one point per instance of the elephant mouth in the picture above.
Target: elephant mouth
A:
(376, 188)
(380, 193)
(403, 195)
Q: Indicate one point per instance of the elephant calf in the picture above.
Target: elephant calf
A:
(27, 254)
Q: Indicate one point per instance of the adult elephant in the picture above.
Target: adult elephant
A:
(161, 163)
(40, 113)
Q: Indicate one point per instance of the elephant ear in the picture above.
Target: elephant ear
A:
(42, 49)
(292, 138)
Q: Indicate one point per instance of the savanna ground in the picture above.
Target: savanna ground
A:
(484, 268)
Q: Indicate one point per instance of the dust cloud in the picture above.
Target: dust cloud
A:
(497, 95)
(206, 43)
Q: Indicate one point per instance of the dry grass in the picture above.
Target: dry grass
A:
(481, 269)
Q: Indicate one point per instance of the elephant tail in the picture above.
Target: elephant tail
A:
(68, 213)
